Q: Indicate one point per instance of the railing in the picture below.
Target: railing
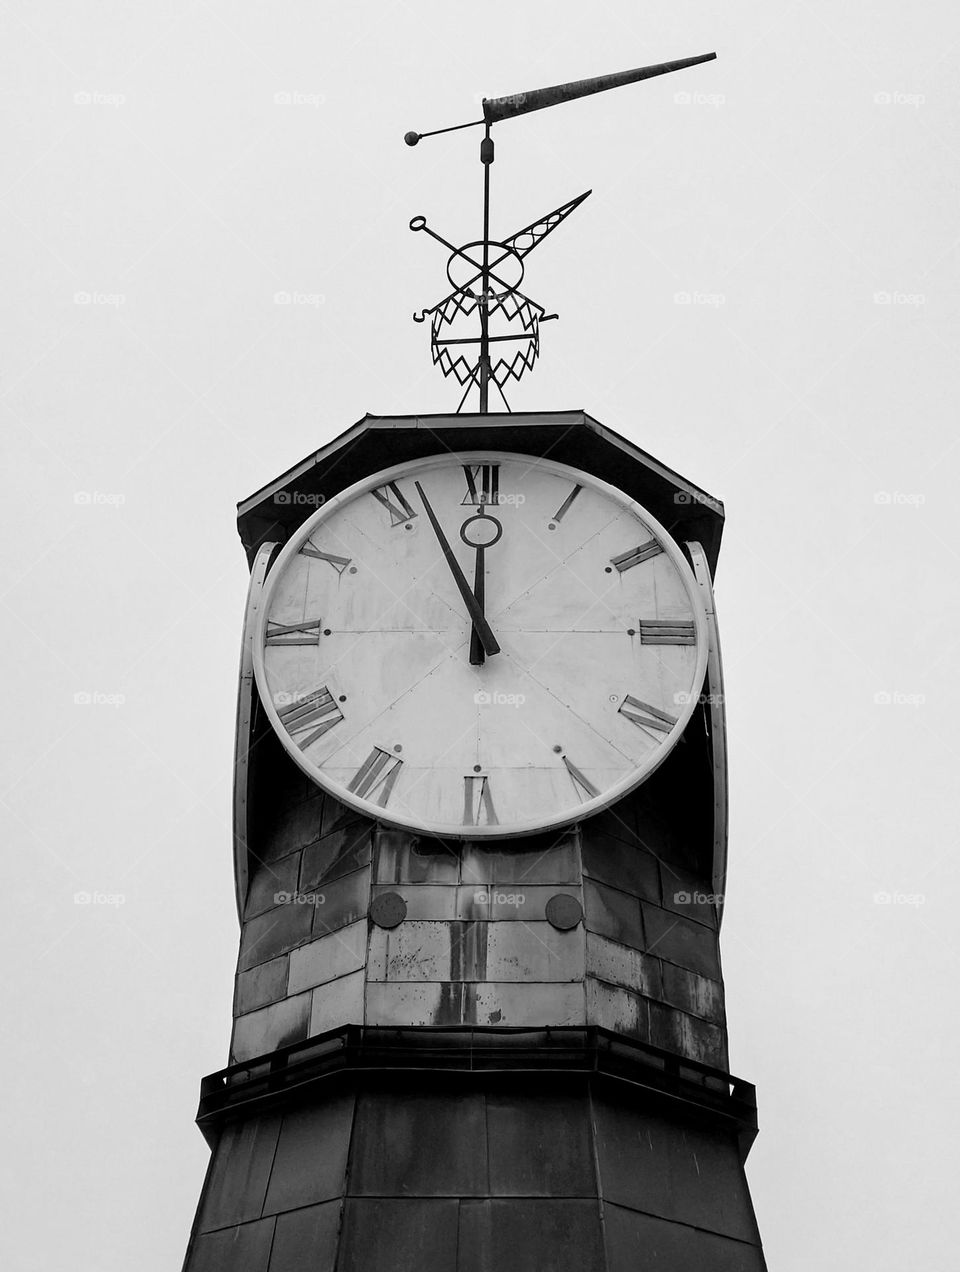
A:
(687, 1086)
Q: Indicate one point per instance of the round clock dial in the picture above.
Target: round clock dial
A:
(480, 645)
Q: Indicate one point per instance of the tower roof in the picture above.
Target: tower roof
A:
(569, 437)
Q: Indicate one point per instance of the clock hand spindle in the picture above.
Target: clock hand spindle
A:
(484, 633)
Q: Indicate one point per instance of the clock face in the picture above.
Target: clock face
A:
(480, 645)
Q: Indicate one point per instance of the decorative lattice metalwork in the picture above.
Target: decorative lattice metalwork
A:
(488, 289)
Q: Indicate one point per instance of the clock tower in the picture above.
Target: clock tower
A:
(480, 836)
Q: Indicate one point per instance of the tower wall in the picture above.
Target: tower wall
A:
(474, 1172)
(476, 945)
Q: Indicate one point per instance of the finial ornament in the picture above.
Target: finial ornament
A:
(485, 274)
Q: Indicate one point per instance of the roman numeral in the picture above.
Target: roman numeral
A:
(582, 785)
(643, 553)
(478, 802)
(394, 502)
(339, 563)
(646, 716)
(315, 709)
(293, 633)
(378, 773)
(656, 631)
(565, 506)
(483, 484)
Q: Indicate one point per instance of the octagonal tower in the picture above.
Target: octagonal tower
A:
(478, 1053)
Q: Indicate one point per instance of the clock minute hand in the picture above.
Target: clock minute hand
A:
(480, 625)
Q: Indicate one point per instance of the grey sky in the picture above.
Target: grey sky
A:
(762, 292)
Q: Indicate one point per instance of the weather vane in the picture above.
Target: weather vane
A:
(486, 274)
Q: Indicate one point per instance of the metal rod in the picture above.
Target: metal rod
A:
(411, 138)
(490, 339)
(486, 158)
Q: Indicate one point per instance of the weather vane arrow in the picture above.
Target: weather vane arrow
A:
(489, 286)
(497, 108)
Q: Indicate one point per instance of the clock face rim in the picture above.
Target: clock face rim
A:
(569, 817)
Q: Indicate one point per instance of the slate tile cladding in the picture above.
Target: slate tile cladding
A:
(320, 884)
(475, 946)
(475, 1003)
(412, 1174)
(311, 884)
(652, 953)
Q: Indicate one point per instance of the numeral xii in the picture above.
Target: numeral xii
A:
(483, 484)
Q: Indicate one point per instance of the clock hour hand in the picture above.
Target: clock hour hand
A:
(480, 532)
(482, 629)
(476, 645)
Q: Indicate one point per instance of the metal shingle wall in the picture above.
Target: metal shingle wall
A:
(431, 1178)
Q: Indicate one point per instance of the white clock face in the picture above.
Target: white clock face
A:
(480, 645)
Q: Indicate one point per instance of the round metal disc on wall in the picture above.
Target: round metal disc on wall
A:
(564, 911)
(388, 910)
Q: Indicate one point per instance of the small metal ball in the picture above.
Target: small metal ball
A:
(558, 749)
(476, 768)
(411, 138)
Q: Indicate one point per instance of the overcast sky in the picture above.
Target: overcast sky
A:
(169, 169)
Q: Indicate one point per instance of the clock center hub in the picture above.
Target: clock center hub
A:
(481, 531)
